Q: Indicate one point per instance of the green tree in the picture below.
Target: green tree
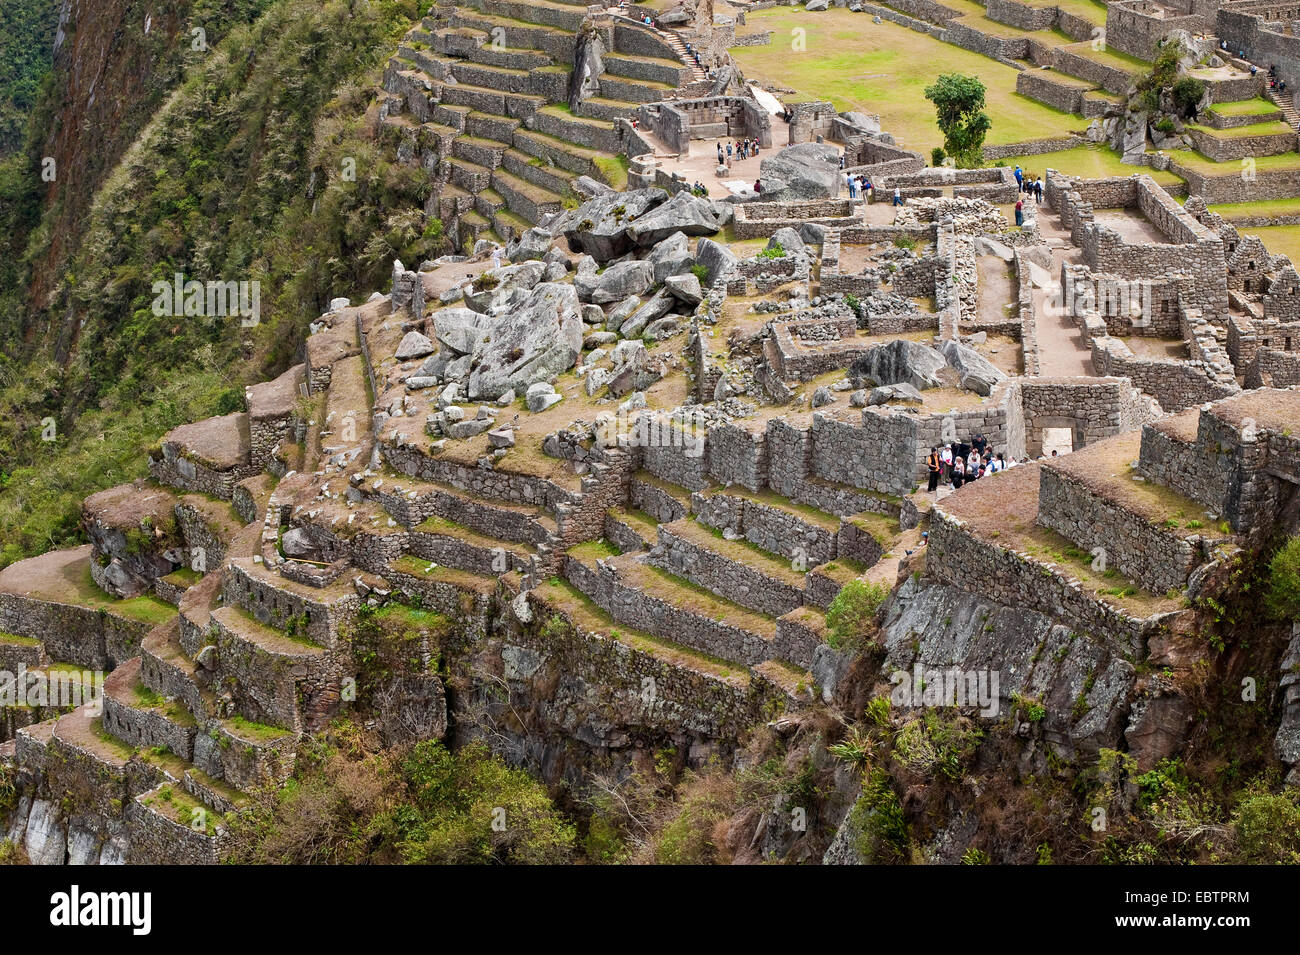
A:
(959, 107)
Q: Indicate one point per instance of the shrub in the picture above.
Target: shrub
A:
(1283, 595)
(878, 819)
(1267, 827)
(773, 251)
(852, 613)
(937, 156)
(701, 272)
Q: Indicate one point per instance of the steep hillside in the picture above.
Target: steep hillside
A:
(26, 49)
(240, 176)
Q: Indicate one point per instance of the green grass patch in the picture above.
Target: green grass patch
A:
(1090, 162)
(884, 68)
(1245, 107)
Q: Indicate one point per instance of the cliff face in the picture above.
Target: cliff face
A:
(114, 63)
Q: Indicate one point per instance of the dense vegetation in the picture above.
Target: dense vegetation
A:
(26, 49)
(418, 805)
(264, 166)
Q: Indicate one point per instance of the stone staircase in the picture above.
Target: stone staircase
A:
(477, 94)
(674, 40)
(1286, 103)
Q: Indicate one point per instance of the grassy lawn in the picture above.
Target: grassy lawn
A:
(1254, 129)
(1198, 163)
(884, 68)
(1093, 11)
(1109, 57)
(1280, 240)
(1090, 162)
(1265, 207)
(1244, 107)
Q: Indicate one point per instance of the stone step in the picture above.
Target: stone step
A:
(1152, 535)
(517, 34)
(492, 77)
(81, 732)
(559, 15)
(535, 170)
(798, 634)
(633, 90)
(796, 682)
(500, 129)
(523, 197)
(246, 754)
(314, 613)
(506, 57)
(410, 501)
(194, 618)
(563, 597)
(578, 160)
(736, 570)
(452, 116)
(482, 152)
(509, 225)
(659, 602)
(142, 718)
(167, 824)
(168, 671)
(489, 100)
(488, 203)
(594, 133)
(990, 529)
(470, 176)
(771, 522)
(605, 109)
(270, 673)
(445, 542)
(657, 69)
(210, 456)
(631, 530)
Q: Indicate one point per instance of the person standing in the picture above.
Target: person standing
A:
(728, 154)
(1038, 190)
(898, 197)
(1020, 177)
(934, 465)
(720, 156)
(853, 188)
(958, 474)
(1020, 212)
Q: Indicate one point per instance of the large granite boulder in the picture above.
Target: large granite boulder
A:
(717, 259)
(788, 240)
(615, 283)
(684, 288)
(533, 244)
(488, 286)
(659, 305)
(539, 338)
(684, 212)
(460, 330)
(900, 361)
(671, 256)
(805, 171)
(599, 226)
(975, 372)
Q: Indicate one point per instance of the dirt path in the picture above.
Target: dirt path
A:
(1061, 351)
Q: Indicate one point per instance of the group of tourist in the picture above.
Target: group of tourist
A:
(960, 462)
(742, 149)
(1027, 182)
